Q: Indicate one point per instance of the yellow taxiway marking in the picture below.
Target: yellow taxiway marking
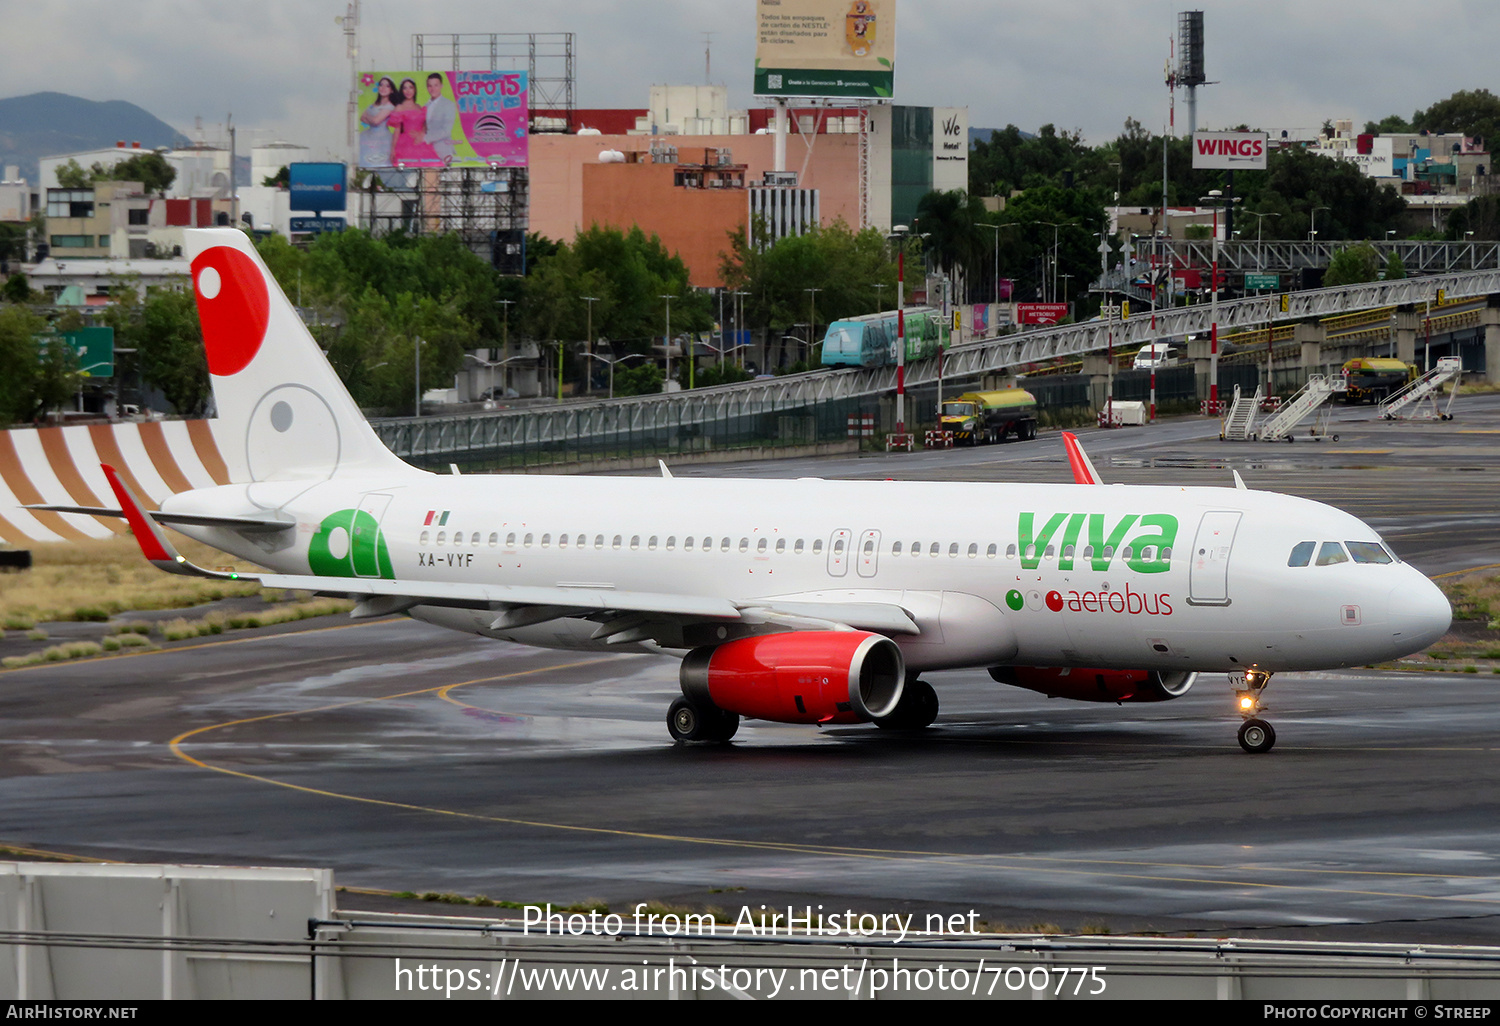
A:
(1050, 864)
(1358, 452)
(1478, 431)
(1467, 570)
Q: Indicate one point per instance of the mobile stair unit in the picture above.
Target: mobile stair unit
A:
(1408, 404)
(1311, 399)
(1240, 423)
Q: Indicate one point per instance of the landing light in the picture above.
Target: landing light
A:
(1247, 703)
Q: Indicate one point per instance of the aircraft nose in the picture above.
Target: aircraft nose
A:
(1420, 614)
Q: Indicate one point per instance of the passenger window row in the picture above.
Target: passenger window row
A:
(1331, 552)
(690, 543)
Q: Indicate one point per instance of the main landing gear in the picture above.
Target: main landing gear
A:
(916, 710)
(689, 721)
(1256, 735)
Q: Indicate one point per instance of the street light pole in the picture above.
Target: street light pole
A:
(1215, 198)
(667, 348)
(812, 321)
(588, 344)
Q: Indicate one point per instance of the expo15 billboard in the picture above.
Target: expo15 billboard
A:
(827, 48)
(442, 119)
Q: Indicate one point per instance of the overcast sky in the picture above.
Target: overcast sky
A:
(280, 65)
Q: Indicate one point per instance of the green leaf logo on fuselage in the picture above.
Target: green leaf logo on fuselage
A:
(349, 544)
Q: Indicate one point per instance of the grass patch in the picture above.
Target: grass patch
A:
(1474, 596)
(55, 654)
(94, 580)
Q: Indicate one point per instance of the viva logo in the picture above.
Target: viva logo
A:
(1149, 538)
(349, 544)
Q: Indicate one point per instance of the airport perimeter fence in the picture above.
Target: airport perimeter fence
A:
(603, 432)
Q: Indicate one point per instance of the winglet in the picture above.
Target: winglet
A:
(1083, 469)
(664, 471)
(148, 533)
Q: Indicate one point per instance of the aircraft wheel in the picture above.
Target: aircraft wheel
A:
(727, 726)
(687, 721)
(916, 710)
(1257, 736)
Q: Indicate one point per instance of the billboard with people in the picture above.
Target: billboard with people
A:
(442, 119)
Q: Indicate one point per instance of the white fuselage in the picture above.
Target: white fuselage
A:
(1024, 574)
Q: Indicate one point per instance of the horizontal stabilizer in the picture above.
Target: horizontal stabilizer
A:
(247, 525)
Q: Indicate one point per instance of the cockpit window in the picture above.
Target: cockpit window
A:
(1330, 553)
(1368, 552)
(1301, 553)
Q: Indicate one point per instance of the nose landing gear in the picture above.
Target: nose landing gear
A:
(1256, 735)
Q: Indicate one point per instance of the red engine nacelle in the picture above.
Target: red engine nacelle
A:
(1084, 684)
(801, 677)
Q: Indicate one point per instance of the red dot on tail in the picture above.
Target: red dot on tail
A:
(1054, 601)
(233, 307)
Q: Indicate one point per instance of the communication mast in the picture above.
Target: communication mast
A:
(1190, 61)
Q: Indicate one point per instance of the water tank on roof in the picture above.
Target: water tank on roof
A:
(611, 157)
(589, 131)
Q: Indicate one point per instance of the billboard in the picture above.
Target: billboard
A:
(316, 186)
(442, 119)
(825, 48)
(1230, 150)
(1040, 313)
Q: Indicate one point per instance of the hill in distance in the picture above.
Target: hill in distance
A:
(47, 124)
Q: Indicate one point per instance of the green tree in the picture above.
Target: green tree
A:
(1473, 112)
(149, 168)
(16, 289)
(169, 348)
(1391, 124)
(70, 175)
(643, 380)
(1480, 216)
(19, 363)
(1395, 268)
(1353, 265)
(282, 179)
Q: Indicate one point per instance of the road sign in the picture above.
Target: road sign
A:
(1268, 282)
(318, 224)
(1041, 313)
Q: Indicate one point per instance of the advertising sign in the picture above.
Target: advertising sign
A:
(443, 119)
(318, 225)
(1040, 313)
(1230, 150)
(317, 187)
(825, 48)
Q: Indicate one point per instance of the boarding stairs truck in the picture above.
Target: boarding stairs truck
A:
(978, 418)
(1241, 420)
(1408, 404)
(1309, 400)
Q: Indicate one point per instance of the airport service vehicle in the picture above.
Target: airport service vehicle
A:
(1154, 354)
(977, 418)
(1372, 378)
(870, 341)
(803, 601)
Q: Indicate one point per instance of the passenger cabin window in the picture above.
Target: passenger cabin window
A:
(761, 545)
(797, 548)
(1330, 553)
(1301, 554)
(546, 541)
(993, 549)
(422, 540)
(442, 537)
(687, 544)
(562, 541)
(527, 541)
(817, 546)
(635, 541)
(616, 543)
(780, 546)
(895, 548)
(1010, 552)
(671, 542)
(953, 550)
(510, 540)
(934, 549)
(744, 544)
(838, 546)
(494, 539)
(598, 541)
(973, 550)
(1367, 552)
(724, 545)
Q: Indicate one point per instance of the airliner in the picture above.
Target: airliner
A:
(798, 601)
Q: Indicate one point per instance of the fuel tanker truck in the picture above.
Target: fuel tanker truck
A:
(978, 418)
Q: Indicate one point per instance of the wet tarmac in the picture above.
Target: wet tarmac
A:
(410, 758)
